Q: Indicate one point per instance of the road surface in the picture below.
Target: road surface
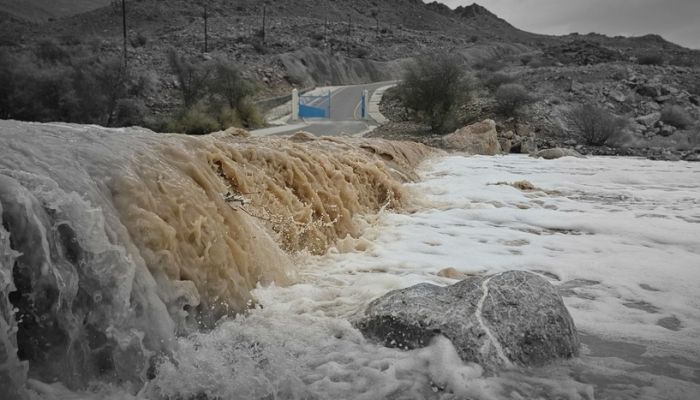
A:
(345, 118)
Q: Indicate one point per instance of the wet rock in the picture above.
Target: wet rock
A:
(506, 145)
(557, 152)
(480, 138)
(452, 273)
(303, 136)
(528, 145)
(692, 157)
(671, 323)
(665, 155)
(514, 317)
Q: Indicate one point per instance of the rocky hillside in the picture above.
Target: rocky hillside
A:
(305, 42)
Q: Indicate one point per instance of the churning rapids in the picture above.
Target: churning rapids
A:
(136, 265)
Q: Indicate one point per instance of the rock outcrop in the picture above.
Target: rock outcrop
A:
(480, 138)
(510, 318)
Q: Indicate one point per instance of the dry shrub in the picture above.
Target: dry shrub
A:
(494, 80)
(651, 59)
(511, 97)
(676, 116)
(595, 125)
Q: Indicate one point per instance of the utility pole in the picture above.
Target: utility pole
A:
(264, 18)
(124, 31)
(375, 15)
(206, 29)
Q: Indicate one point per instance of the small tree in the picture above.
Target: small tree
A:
(595, 125)
(228, 83)
(511, 97)
(191, 77)
(434, 87)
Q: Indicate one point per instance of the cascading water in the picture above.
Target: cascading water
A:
(114, 242)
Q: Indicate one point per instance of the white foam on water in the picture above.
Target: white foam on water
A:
(619, 236)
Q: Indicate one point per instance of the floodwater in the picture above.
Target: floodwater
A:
(619, 237)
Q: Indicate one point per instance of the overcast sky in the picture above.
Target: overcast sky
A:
(675, 20)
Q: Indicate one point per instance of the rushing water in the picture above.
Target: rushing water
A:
(619, 237)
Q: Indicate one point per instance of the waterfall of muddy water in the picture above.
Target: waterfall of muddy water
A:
(113, 242)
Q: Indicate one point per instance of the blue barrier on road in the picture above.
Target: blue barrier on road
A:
(315, 106)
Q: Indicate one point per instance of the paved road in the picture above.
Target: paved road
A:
(345, 116)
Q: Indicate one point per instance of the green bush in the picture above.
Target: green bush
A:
(228, 117)
(196, 120)
(593, 124)
(434, 87)
(250, 115)
(676, 116)
(511, 97)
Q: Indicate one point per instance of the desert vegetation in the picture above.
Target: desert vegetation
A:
(214, 96)
(595, 125)
(53, 84)
(676, 116)
(57, 82)
(434, 88)
(511, 98)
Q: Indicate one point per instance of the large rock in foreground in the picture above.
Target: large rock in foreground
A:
(480, 138)
(510, 318)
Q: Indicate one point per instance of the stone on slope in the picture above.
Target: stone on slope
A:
(515, 317)
(480, 138)
(552, 154)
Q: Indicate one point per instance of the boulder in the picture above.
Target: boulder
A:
(480, 138)
(649, 91)
(692, 157)
(617, 96)
(649, 119)
(557, 152)
(666, 130)
(576, 86)
(506, 145)
(528, 145)
(514, 317)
